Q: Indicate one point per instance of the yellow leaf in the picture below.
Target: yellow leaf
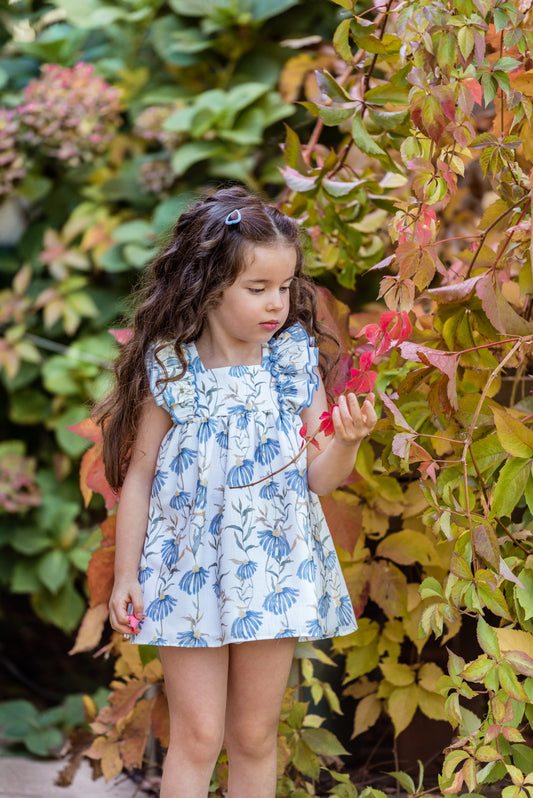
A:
(402, 706)
(398, 673)
(515, 640)
(91, 629)
(111, 761)
(428, 676)
(407, 547)
(515, 437)
(367, 712)
(432, 705)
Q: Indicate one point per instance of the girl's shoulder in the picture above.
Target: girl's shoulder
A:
(172, 386)
(294, 361)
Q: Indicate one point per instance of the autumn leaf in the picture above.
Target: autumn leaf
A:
(91, 629)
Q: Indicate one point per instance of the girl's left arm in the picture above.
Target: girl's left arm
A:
(329, 466)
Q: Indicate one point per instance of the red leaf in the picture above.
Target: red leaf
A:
(122, 335)
(455, 291)
(326, 422)
(362, 381)
(446, 362)
(399, 420)
(303, 430)
(344, 516)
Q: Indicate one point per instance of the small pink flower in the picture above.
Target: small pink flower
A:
(133, 622)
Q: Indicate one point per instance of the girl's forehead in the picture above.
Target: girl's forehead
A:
(271, 262)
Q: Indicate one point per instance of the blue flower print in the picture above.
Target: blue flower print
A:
(280, 600)
(183, 459)
(207, 428)
(241, 474)
(269, 489)
(222, 438)
(217, 588)
(191, 639)
(283, 421)
(286, 633)
(287, 387)
(160, 607)
(159, 480)
(266, 450)
(158, 641)
(274, 543)
(307, 569)
(246, 569)
(313, 628)
(194, 580)
(323, 604)
(216, 522)
(247, 624)
(170, 552)
(180, 499)
(243, 413)
(344, 610)
(144, 574)
(330, 560)
(238, 371)
(297, 480)
(201, 493)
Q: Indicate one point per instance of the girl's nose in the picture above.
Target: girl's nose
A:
(275, 301)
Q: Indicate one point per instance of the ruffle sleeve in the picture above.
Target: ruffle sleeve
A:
(294, 360)
(178, 397)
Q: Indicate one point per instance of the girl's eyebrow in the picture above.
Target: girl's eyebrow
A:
(267, 280)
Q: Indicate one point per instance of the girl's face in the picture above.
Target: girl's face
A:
(257, 304)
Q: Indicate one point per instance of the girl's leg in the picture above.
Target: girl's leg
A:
(195, 682)
(258, 673)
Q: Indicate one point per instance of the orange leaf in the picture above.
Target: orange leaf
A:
(108, 528)
(125, 696)
(87, 462)
(135, 733)
(100, 575)
(97, 482)
(160, 720)
(87, 429)
(91, 629)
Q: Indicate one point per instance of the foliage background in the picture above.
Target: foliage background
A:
(410, 152)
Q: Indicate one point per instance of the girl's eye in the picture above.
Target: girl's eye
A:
(285, 288)
(256, 290)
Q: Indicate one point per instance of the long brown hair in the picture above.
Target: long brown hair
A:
(203, 258)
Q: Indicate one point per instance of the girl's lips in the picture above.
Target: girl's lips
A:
(269, 325)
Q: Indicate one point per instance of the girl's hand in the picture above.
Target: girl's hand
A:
(124, 596)
(352, 423)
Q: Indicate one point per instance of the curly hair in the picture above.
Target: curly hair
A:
(202, 259)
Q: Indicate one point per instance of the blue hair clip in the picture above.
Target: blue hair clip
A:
(237, 218)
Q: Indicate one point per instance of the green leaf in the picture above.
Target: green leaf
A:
(194, 152)
(510, 487)
(305, 760)
(42, 742)
(524, 596)
(388, 120)
(341, 40)
(28, 540)
(324, 742)
(64, 609)
(388, 93)
(404, 780)
(487, 639)
(53, 570)
(363, 139)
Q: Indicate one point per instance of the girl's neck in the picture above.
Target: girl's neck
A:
(216, 352)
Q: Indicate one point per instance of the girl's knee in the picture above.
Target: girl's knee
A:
(251, 739)
(198, 741)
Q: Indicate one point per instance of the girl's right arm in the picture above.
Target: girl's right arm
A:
(132, 515)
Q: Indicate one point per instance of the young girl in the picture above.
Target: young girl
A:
(225, 563)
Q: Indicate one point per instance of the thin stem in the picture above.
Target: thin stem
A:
(490, 227)
(508, 239)
(282, 468)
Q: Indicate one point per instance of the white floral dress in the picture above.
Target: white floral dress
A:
(223, 561)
